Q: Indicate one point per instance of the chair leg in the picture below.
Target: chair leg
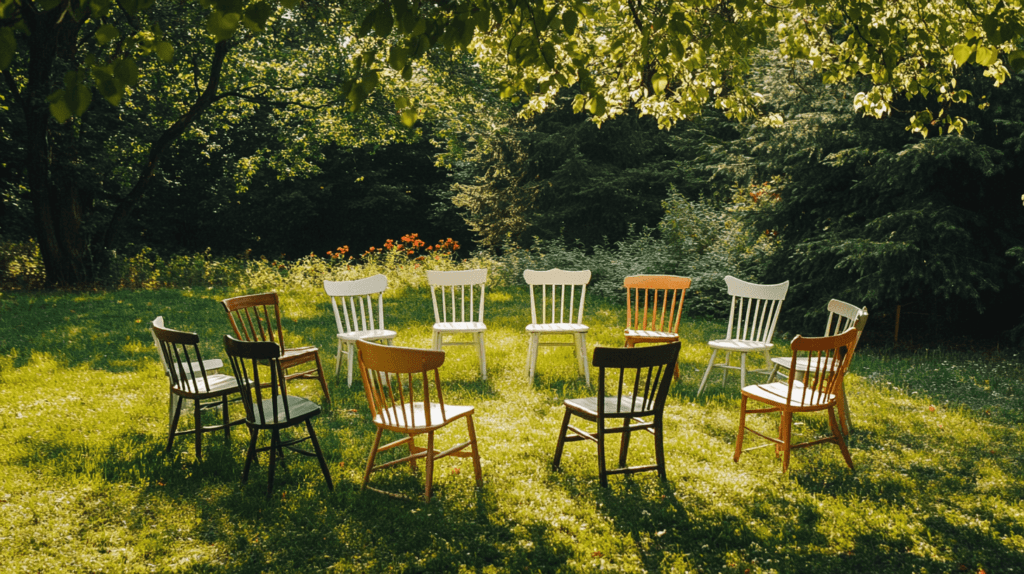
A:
(477, 471)
(725, 371)
(743, 370)
(561, 440)
(227, 422)
(323, 379)
(659, 447)
(707, 371)
(250, 454)
(198, 416)
(483, 356)
(337, 358)
(602, 469)
(531, 357)
(372, 457)
(351, 361)
(786, 430)
(430, 464)
(319, 454)
(743, 427)
(275, 441)
(771, 377)
(624, 444)
(844, 414)
(839, 438)
(436, 341)
(584, 363)
(174, 415)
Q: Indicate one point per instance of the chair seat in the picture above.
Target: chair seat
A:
(299, 408)
(412, 416)
(612, 406)
(368, 335)
(775, 394)
(544, 328)
(739, 345)
(460, 327)
(219, 385)
(651, 335)
(802, 364)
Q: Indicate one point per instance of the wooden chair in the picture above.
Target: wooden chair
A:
(189, 381)
(257, 318)
(752, 318)
(461, 309)
(212, 366)
(819, 391)
(632, 384)
(560, 314)
(654, 306)
(841, 316)
(403, 389)
(355, 316)
(275, 413)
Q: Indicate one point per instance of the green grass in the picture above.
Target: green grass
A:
(86, 486)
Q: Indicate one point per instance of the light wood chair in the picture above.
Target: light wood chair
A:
(654, 306)
(459, 309)
(190, 381)
(841, 316)
(752, 318)
(632, 385)
(212, 366)
(403, 390)
(561, 297)
(257, 318)
(355, 316)
(275, 413)
(820, 390)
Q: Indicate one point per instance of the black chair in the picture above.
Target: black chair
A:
(189, 381)
(275, 413)
(639, 380)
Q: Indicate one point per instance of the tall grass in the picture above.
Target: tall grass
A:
(87, 486)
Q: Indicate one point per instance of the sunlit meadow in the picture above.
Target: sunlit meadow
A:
(87, 486)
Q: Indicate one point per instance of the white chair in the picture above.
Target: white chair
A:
(841, 316)
(459, 309)
(560, 314)
(355, 316)
(752, 318)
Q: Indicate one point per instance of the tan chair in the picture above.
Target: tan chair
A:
(632, 384)
(654, 306)
(257, 318)
(841, 316)
(403, 389)
(189, 381)
(560, 295)
(459, 309)
(752, 318)
(275, 413)
(356, 316)
(819, 391)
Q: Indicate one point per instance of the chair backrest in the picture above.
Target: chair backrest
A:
(643, 373)
(246, 357)
(356, 310)
(655, 302)
(159, 322)
(256, 318)
(755, 309)
(843, 315)
(396, 378)
(828, 358)
(183, 362)
(557, 287)
(461, 295)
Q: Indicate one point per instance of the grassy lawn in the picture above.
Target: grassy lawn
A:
(87, 487)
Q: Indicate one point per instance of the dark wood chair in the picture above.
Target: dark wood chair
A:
(654, 306)
(189, 381)
(258, 318)
(403, 389)
(827, 359)
(276, 412)
(633, 383)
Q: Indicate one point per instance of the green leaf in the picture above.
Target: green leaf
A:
(659, 82)
(8, 47)
(384, 21)
(222, 25)
(407, 72)
(597, 105)
(109, 87)
(369, 80)
(164, 51)
(59, 107)
(127, 71)
(961, 53)
(547, 51)
(106, 33)
(986, 56)
(256, 16)
(570, 20)
(367, 24)
(409, 118)
(1016, 59)
(397, 58)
